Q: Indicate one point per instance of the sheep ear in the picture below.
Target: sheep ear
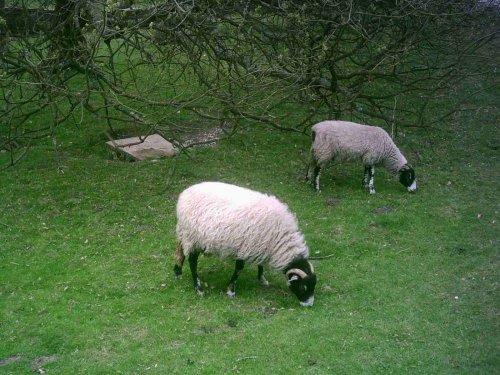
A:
(407, 167)
(293, 278)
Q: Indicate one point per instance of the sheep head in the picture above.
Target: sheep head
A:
(302, 281)
(407, 177)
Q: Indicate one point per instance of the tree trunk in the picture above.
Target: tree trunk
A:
(3, 27)
(68, 42)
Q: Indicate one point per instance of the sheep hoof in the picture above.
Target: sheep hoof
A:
(200, 292)
(372, 192)
(231, 293)
(177, 271)
(264, 282)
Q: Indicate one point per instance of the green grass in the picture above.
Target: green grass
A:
(86, 261)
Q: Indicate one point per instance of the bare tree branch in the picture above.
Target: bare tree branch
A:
(156, 66)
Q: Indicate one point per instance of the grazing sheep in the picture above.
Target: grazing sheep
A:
(245, 225)
(347, 141)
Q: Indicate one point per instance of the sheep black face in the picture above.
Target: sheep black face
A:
(407, 178)
(302, 281)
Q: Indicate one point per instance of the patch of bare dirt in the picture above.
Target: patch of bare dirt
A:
(383, 210)
(202, 137)
(38, 363)
(9, 360)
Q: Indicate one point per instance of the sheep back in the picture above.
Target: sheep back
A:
(235, 222)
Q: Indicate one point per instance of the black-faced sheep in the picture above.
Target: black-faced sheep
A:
(340, 141)
(245, 225)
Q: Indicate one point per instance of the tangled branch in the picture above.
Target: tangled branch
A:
(159, 65)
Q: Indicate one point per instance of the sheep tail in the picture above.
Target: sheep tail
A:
(179, 259)
(312, 160)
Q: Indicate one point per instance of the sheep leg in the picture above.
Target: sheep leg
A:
(231, 289)
(316, 175)
(310, 167)
(179, 260)
(261, 276)
(370, 183)
(366, 176)
(312, 162)
(313, 170)
(193, 264)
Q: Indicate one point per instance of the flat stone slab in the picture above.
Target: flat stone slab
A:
(144, 147)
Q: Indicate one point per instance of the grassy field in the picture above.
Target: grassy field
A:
(86, 257)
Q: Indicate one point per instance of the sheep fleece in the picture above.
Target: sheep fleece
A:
(348, 141)
(234, 222)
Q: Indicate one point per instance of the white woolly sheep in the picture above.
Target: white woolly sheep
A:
(234, 222)
(347, 141)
